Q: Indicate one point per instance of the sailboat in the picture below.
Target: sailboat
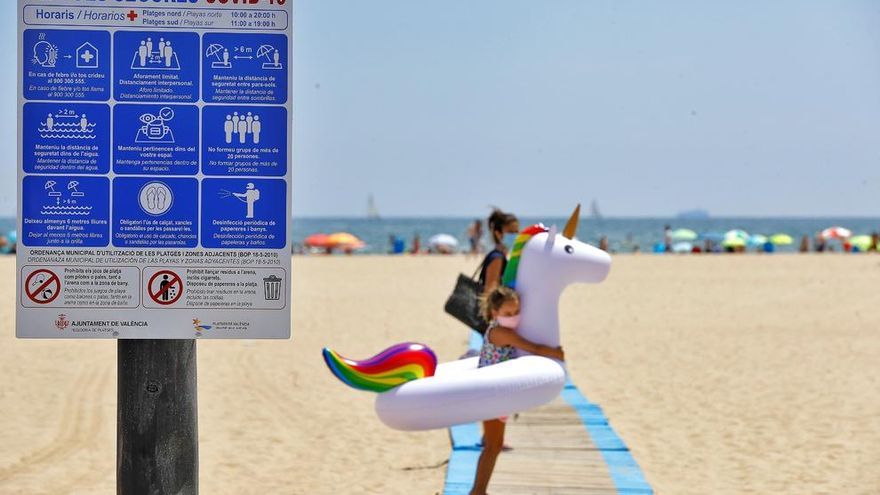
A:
(594, 210)
(372, 211)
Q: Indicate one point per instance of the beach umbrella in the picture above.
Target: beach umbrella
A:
(733, 242)
(683, 235)
(316, 240)
(836, 233)
(757, 240)
(682, 247)
(736, 234)
(344, 240)
(781, 239)
(863, 242)
(444, 240)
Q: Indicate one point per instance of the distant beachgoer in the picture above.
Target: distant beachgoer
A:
(501, 307)
(707, 246)
(875, 242)
(417, 244)
(667, 238)
(603, 243)
(503, 227)
(475, 236)
(805, 244)
(820, 244)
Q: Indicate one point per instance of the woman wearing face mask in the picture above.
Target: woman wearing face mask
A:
(501, 308)
(503, 228)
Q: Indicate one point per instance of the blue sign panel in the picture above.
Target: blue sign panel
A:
(156, 139)
(155, 213)
(156, 66)
(66, 65)
(66, 138)
(244, 140)
(64, 210)
(245, 68)
(244, 213)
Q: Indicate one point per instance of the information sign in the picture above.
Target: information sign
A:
(154, 168)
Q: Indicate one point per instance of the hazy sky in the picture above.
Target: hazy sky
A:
(443, 107)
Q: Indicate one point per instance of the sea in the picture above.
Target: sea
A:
(624, 234)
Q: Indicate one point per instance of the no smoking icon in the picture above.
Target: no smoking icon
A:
(42, 286)
(165, 287)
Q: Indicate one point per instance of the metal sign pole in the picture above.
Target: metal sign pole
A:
(157, 440)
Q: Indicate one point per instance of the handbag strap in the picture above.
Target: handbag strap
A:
(483, 264)
(477, 271)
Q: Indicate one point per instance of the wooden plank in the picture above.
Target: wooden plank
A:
(552, 455)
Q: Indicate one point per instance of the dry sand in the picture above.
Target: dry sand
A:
(724, 375)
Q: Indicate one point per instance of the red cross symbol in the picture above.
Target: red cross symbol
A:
(132, 15)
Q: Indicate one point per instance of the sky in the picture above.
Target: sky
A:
(441, 108)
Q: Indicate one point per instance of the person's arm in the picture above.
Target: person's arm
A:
(506, 336)
(493, 275)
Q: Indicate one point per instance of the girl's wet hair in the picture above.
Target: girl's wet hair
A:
(497, 220)
(495, 299)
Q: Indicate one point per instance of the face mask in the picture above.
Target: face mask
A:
(508, 321)
(509, 239)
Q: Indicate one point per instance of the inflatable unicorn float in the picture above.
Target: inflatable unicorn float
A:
(417, 394)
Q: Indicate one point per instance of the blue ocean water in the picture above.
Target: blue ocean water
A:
(624, 234)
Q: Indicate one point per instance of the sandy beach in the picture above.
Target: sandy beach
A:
(723, 374)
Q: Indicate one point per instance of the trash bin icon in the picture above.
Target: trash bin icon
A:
(272, 286)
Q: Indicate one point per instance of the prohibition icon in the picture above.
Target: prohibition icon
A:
(42, 286)
(165, 287)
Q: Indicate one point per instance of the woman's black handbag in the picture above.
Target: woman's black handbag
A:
(464, 303)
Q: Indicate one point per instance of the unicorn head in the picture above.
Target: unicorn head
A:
(542, 264)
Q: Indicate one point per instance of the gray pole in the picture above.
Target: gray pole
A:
(157, 440)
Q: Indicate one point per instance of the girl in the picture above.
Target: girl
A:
(501, 308)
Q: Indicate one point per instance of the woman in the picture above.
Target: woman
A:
(503, 229)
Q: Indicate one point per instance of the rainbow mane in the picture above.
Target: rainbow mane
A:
(390, 368)
(509, 278)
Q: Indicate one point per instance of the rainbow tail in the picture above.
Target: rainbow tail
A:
(392, 367)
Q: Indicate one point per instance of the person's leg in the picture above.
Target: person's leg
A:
(493, 440)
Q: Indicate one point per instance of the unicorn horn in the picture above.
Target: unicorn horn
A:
(572, 225)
